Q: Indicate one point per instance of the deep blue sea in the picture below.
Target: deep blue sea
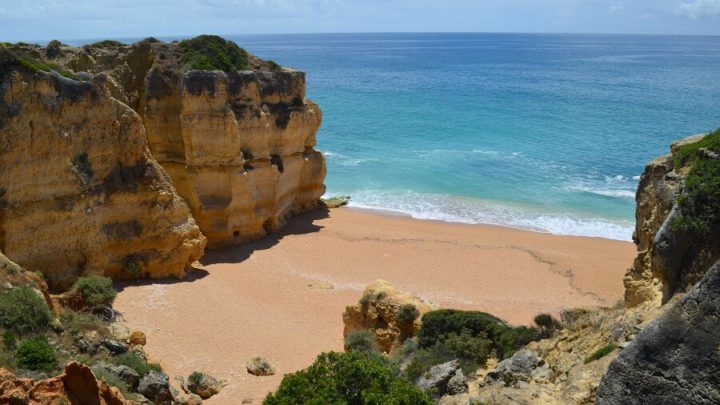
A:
(543, 132)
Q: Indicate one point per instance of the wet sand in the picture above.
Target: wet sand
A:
(283, 297)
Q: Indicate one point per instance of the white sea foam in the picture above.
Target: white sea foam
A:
(473, 211)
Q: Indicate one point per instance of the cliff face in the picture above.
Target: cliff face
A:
(668, 260)
(239, 147)
(674, 360)
(118, 168)
(79, 191)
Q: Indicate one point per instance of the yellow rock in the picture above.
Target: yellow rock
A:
(80, 192)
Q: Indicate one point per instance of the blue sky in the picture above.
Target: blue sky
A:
(72, 19)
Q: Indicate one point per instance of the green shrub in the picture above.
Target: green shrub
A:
(347, 378)
(9, 340)
(690, 152)
(298, 102)
(211, 52)
(274, 66)
(196, 378)
(364, 301)
(426, 358)
(437, 324)
(543, 320)
(133, 361)
(513, 339)
(96, 290)
(106, 44)
(36, 354)
(471, 351)
(361, 340)
(23, 310)
(407, 314)
(601, 352)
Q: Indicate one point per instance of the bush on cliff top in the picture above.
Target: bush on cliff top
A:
(361, 340)
(23, 310)
(10, 59)
(347, 378)
(211, 52)
(700, 201)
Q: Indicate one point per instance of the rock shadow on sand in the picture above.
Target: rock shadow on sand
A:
(193, 275)
(299, 225)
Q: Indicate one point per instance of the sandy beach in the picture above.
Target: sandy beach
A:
(283, 297)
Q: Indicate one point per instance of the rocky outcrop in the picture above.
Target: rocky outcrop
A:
(668, 261)
(239, 147)
(80, 192)
(106, 150)
(675, 359)
(378, 312)
(77, 385)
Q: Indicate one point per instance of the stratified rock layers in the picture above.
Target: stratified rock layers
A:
(79, 191)
(239, 148)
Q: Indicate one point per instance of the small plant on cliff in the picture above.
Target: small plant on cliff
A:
(601, 352)
(134, 361)
(36, 354)
(298, 102)
(211, 52)
(361, 340)
(274, 66)
(407, 314)
(547, 324)
(97, 291)
(700, 201)
(347, 378)
(108, 43)
(23, 310)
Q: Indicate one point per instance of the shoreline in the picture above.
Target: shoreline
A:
(283, 297)
(401, 214)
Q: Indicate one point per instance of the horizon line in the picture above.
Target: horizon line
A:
(45, 40)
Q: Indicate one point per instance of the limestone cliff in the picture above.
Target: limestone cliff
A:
(668, 260)
(114, 158)
(238, 141)
(79, 191)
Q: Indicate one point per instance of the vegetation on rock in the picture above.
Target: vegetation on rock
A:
(211, 52)
(471, 337)
(23, 310)
(36, 354)
(700, 201)
(407, 314)
(348, 378)
(361, 340)
(10, 57)
(97, 291)
(601, 352)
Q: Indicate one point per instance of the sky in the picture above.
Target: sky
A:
(42, 20)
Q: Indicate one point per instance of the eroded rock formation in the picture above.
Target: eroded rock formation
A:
(77, 385)
(378, 311)
(668, 261)
(80, 192)
(118, 167)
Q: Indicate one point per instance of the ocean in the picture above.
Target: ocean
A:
(541, 132)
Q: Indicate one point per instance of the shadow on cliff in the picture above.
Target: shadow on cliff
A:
(299, 225)
(192, 275)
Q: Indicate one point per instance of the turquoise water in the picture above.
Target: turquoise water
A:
(544, 132)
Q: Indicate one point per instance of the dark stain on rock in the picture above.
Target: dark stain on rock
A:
(125, 178)
(276, 160)
(196, 82)
(122, 230)
(83, 168)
